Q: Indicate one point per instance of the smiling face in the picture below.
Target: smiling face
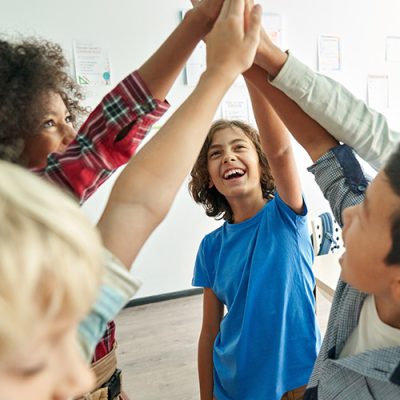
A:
(56, 132)
(233, 165)
(368, 239)
(49, 367)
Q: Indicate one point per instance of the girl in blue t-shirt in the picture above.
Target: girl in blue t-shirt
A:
(257, 265)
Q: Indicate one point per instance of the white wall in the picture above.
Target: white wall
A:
(133, 29)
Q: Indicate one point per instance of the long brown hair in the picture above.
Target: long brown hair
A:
(214, 203)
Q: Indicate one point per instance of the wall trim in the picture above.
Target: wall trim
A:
(163, 297)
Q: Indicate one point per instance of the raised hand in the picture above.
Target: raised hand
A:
(269, 56)
(208, 9)
(232, 44)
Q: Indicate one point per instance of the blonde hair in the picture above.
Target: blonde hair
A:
(50, 257)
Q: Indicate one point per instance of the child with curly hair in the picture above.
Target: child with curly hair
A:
(257, 264)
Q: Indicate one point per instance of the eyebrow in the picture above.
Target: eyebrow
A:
(213, 146)
(50, 113)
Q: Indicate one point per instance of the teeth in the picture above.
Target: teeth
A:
(233, 172)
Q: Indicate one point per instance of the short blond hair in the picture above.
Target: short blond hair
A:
(50, 257)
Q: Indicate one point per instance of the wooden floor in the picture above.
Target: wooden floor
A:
(157, 348)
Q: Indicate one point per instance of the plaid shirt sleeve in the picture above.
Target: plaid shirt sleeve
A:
(95, 153)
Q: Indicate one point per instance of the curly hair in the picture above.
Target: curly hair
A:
(30, 68)
(214, 203)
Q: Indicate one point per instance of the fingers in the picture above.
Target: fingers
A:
(195, 2)
(254, 25)
(237, 7)
(224, 10)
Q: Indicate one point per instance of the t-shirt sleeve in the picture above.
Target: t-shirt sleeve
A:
(117, 288)
(288, 214)
(201, 274)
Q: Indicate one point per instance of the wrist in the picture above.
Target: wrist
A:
(271, 58)
(199, 21)
(218, 76)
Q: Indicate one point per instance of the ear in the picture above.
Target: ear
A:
(210, 183)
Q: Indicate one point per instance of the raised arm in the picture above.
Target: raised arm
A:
(146, 188)
(113, 131)
(161, 70)
(315, 139)
(347, 118)
(275, 140)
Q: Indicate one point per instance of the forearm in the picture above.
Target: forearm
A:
(274, 136)
(162, 68)
(336, 109)
(206, 367)
(316, 140)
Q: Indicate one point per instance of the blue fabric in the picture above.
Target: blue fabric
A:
(261, 270)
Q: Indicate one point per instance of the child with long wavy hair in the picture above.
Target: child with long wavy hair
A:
(257, 265)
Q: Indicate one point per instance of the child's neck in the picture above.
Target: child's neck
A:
(244, 209)
(388, 311)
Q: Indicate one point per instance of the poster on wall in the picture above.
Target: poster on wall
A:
(329, 53)
(92, 64)
(378, 92)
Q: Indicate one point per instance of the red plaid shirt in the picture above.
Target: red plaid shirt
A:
(95, 154)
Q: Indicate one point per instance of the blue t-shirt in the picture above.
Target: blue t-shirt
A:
(261, 270)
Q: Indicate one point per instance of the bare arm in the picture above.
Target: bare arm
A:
(144, 192)
(213, 311)
(162, 68)
(277, 147)
(315, 139)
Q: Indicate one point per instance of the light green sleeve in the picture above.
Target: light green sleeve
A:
(117, 288)
(337, 110)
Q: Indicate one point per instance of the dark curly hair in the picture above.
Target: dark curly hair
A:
(214, 203)
(30, 68)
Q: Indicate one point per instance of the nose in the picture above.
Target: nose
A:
(68, 135)
(229, 157)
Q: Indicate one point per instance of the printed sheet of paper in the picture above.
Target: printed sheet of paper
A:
(92, 64)
(329, 57)
(378, 92)
(393, 48)
(236, 109)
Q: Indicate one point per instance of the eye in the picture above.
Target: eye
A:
(214, 154)
(30, 371)
(240, 147)
(69, 119)
(49, 123)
